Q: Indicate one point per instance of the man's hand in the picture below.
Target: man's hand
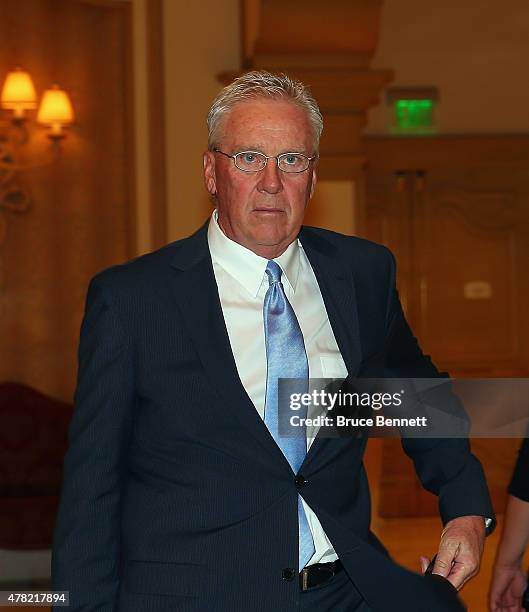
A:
(508, 586)
(460, 550)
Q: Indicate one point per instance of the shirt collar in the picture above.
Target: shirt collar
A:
(244, 265)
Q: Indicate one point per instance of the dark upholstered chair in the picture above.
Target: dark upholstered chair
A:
(33, 438)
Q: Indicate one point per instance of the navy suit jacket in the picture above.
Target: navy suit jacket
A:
(176, 496)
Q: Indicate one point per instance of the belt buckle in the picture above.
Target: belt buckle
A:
(324, 571)
(304, 578)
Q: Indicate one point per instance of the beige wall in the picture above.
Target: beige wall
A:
(332, 206)
(476, 52)
(202, 39)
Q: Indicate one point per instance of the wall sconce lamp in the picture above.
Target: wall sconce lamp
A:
(55, 112)
(18, 93)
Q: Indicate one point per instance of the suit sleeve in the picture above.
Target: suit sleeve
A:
(86, 547)
(445, 467)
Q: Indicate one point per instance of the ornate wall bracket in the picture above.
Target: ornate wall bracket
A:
(15, 193)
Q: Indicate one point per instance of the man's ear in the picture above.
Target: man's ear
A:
(210, 178)
(313, 184)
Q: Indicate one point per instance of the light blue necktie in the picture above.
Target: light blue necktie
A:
(286, 358)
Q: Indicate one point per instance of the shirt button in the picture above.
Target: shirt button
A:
(288, 574)
(300, 480)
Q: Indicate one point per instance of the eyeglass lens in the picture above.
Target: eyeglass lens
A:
(250, 161)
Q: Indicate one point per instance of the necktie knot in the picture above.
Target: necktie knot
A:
(274, 272)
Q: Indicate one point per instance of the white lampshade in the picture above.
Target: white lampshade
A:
(55, 110)
(18, 92)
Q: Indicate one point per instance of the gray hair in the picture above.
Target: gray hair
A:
(263, 84)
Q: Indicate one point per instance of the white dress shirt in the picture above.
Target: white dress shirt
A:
(242, 284)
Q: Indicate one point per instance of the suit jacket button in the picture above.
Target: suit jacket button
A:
(300, 480)
(288, 574)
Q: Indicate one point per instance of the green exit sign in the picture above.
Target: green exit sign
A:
(414, 115)
(413, 110)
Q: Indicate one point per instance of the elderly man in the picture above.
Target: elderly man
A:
(179, 493)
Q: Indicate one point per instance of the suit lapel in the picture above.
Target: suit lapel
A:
(337, 288)
(195, 291)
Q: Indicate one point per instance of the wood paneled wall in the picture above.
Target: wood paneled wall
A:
(81, 217)
(455, 211)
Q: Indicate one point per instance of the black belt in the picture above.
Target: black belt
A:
(318, 574)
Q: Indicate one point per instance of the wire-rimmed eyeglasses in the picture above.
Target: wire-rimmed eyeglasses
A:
(254, 161)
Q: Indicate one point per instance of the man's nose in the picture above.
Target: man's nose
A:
(270, 179)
